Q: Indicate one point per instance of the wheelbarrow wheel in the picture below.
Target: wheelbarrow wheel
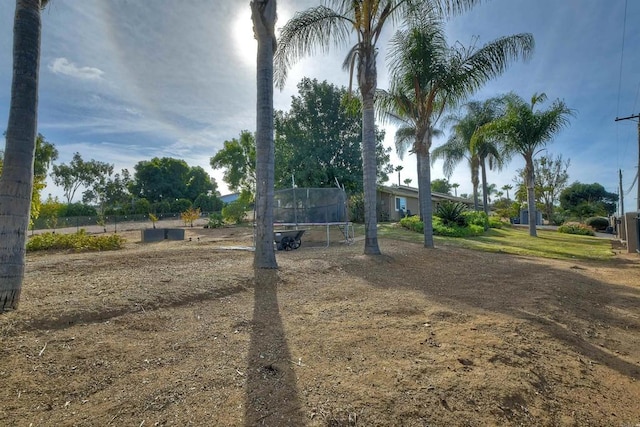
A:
(296, 244)
(287, 243)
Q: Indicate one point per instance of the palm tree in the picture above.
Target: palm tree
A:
(458, 146)
(527, 131)
(16, 182)
(263, 14)
(427, 76)
(455, 187)
(323, 27)
(506, 188)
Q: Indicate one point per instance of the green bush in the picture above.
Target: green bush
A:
(576, 228)
(79, 242)
(356, 208)
(215, 220)
(452, 213)
(475, 217)
(454, 230)
(494, 222)
(235, 211)
(597, 223)
(412, 223)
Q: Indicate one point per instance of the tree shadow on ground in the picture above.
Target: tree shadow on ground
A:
(272, 394)
(564, 303)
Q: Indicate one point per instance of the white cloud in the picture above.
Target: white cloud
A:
(65, 67)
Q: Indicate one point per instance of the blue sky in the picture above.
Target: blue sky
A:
(123, 82)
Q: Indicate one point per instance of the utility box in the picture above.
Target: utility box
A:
(524, 217)
(632, 228)
(158, 234)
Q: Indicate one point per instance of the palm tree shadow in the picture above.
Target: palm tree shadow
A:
(272, 394)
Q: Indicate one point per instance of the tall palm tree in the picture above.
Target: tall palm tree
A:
(427, 76)
(458, 146)
(325, 26)
(526, 131)
(506, 188)
(16, 182)
(263, 14)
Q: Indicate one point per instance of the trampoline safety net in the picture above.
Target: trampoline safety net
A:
(310, 206)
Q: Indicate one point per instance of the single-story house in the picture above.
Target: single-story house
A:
(399, 200)
(228, 198)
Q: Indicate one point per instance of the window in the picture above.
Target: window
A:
(401, 204)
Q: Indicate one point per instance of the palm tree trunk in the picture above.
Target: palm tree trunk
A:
(475, 181)
(531, 197)
(367, 75)
(424, 193)
(485, 193)
(264, 17)
(16, 182)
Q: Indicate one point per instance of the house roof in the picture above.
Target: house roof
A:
(406, 191)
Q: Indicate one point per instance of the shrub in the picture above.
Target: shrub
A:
(215, 220)
(597, 223)
(452, 213)
(356, 208)
(190, 215)
(475, 217)
(79, 241)
(412, 223)
(235, 211)
(454, 230)
(576, 228)
(494, 222)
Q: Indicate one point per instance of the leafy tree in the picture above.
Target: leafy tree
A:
(169, 179)
(550, 179)
(181, 205)
(80, 173)
(16, 182)
(110, 193)
(427, 76)
(588, 200)
(199, 182)
(323, 27)
(318, 141)
(263, 14)
(238, 159)
(526, 131)
(208, 203)
(160, 178)
(441, 186)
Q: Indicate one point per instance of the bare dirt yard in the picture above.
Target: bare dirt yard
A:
(176, 333)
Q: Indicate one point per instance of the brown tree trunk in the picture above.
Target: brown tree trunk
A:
(263, 13)
(367, 75)
(424, 189)
(531, 196)
(16, 182)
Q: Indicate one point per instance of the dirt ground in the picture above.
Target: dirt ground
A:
(176, 333)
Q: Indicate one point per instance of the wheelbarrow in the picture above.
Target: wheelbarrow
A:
(287, 240)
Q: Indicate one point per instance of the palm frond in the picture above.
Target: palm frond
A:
(316, 28)
(404, 139)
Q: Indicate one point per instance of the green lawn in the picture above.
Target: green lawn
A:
(516, 240)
